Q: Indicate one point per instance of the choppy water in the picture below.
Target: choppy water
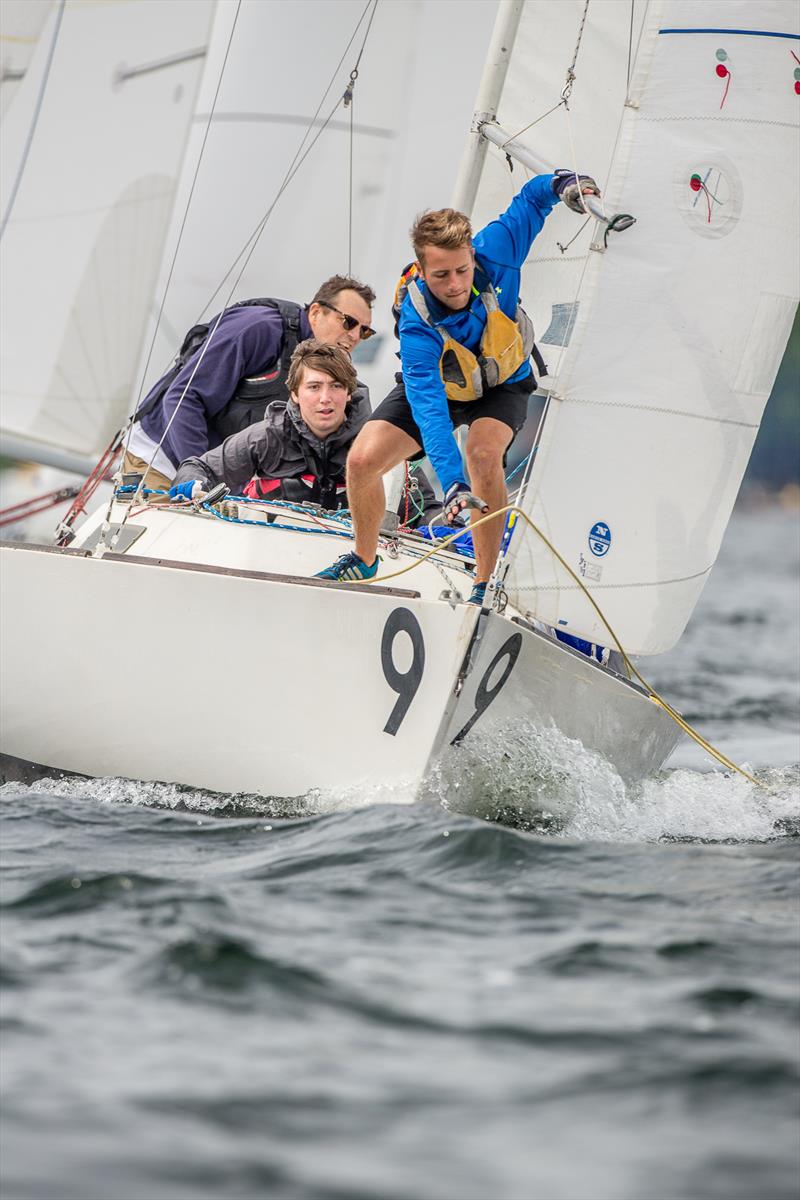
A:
(209, 998)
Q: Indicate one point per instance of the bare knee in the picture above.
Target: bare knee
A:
(483, 462)
(378, 447)
(363, 459)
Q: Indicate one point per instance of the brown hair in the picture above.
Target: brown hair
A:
(319, 356)
(446, 228)
(329, 290)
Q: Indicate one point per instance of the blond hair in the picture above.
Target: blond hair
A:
(319, 356)
(446, 228)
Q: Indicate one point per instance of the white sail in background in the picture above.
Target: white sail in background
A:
(663, 349)
(21, 23)
(87, 213)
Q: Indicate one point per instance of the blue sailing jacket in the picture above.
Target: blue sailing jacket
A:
(502, 247)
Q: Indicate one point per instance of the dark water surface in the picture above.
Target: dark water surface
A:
(212, 998)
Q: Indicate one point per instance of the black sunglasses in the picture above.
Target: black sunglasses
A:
(350, 323)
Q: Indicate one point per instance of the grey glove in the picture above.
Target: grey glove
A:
(457, 498)
(569, 189)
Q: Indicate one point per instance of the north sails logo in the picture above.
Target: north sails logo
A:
(600, 539)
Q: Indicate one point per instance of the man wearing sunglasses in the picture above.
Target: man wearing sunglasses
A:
(229, 370)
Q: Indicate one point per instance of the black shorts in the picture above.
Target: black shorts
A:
(508, 402)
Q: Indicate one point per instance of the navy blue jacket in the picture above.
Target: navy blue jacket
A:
(248, 341)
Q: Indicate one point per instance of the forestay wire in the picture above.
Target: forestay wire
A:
(566, 91)
(347, 99)
(248, 249)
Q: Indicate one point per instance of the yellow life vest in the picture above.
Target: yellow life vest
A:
(505, 346)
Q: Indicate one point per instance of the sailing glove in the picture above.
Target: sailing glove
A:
(186, 491)
(457, 498)
(570, 188)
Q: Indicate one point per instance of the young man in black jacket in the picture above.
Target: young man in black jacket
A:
(298, 451)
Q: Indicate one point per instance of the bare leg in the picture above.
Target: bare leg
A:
(378, 447)
(487, 442)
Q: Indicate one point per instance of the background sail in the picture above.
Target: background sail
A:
(84, 239)
(663, 349)
(21, 24)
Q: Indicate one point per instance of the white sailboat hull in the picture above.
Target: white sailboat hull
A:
(210, 673)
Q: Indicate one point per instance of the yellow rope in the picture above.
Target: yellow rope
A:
(652, 693)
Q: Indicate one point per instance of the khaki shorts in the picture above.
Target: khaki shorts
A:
(133, 465)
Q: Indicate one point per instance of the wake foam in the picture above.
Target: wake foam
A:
(553, 784)
(180, 798)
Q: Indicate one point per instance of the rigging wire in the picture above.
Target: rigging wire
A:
(290, 173)
(566, 91)
(351, 106)
(348, 103)
(34, 120)
(630, 48)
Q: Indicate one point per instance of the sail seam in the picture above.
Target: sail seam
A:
(607, 587)
(670, 412)
(725, 120)
(377, 131)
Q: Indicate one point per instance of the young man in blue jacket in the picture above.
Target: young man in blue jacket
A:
(465, 348)
(218, 389)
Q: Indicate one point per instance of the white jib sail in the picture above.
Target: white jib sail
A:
(663, 349)
(88, 183)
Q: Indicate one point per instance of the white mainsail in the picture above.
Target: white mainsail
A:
(662, 349)
(85, 213)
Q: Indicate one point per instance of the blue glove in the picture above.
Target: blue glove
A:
(569, 189)
(186, 491)
(457, 498)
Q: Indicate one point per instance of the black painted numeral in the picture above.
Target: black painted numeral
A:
(405, 683)
(484, 695)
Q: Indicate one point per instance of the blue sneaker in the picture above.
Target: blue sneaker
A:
(478, 594)
(350, 566)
